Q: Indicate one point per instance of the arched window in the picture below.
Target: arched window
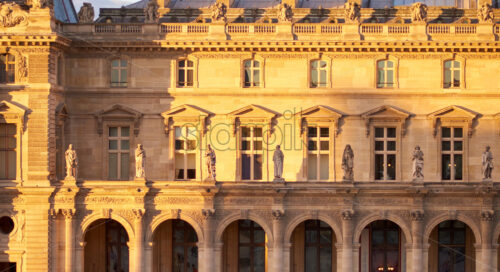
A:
(451, 246)
(7, 68)
(318, 246)
(185, 73)
(8, 143)
(252, 73)
(119, 73)
(385, 74)
(318, 74)
(451, 74)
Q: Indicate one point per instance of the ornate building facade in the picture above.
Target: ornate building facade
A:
(386, 114)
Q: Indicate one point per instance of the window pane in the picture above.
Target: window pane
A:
(446, 132)
(379, 166)
(123, 76)
(456, 64)
(444, 237)
(191, 165)
(312, 167)
(125, 131)
(379, 132)
(256, 64)
(11, 156)
(311, 259)
(312, 145)
(379, 145)
(114, 76)
(179, 166)
(456, 78)
(247, 63)
(245, 131)
(124, 166)
(256, 78)
(446, 146)
(447, 79)
(247, 78)
(245, 166)
(244, 236)
(190, 77)
(258, 145)
(390, 64)
(115, 63)
(314, 64)
(244, 259)
(312, 132)
(325, 237)
(380, 78)
(259, 257)
(322, 78)
(447, 64)
(324, 145)
(458, 167)
(324, 132)
(124, 63)
(125, 145)
(446, 164)
(182, 63)
(191, 145)
(257, 167)
(257, 132)
(391, 132)
(324, 166)
(459, 265)
(391, 145)
(459, 237)
(245, 145)
(325, 259)
(457, 145)
(259, 236)
(381, 64)
(178, 262)
(378, 237)
(314, 78)
(182, 77)
(190, 63)
(391, 167)
(113, 166)
(390, 78)
(457, 132)
(179, 145)
(113, 144)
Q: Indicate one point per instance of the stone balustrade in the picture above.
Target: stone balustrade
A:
(297, 31)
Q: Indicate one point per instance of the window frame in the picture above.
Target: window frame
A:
(318, 152)
(120, 84)
(14, 115)
(386, 152)
(252, 152)
(131, 140)
(261, 72)
(175, 72)
(317, 229)
(254, 226)
(327, 69)
(7, 69)
(395, 62)
(451, 152)
(461, 60)
(185, 152)
(185, 244)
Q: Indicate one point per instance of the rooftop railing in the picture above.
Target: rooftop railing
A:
(297, 31)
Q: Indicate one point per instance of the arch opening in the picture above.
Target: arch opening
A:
(106, 247)
(451, 247)
(245, 247)
(313, 247)
(175, 247)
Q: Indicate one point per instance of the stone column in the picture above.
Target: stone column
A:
(417, 218)
(486, 243)
(79, 259)
(207, 261)
(277, 256)
(347, 246)
(69, 239)
(139, 240)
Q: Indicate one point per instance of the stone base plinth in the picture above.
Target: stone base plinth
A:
(278, 180)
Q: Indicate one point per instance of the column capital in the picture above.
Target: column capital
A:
(278, 214)
(417, 215)
(347, 214)
(68, 213)
(208, 213)
(487, 215)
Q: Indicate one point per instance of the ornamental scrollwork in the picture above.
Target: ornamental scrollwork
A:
(12, 15)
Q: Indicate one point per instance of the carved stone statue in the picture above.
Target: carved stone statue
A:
(86, 13)
(418, 163)
(22, 68)
(71, 162)
(12, 15)
(218, 12)
(485, 13)
(418, 12)
(285, 13)
(140, 162)
(151, 12)
(348, 163)
(352, 12)
(278, 159)
(487, 164)
(211, 159)
(39, 4)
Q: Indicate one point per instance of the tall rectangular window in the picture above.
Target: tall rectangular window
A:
(251, 149)
(319, 74)
(185, 152)
(451, 246)
(119, 73)
(385, 74)
(119, 153)
(385, 153)
(252, 73)
(8, 145)
(452, 140)
(318, 246)
(7, 68)
(451, 76)
(318, 153)
(185, 73)
(251, 247)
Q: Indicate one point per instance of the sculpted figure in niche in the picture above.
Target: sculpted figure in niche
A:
(348, 163)
(86, 13)
(278, 158)
(418, 12)
(487, 163)
(71, 162)
(151, 12)
(485, 13)
(218, 12)
(285, 13)
(418, 163)
(352, 12)
(210, 157)
(140, 162)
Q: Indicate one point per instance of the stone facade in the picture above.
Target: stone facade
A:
(244, 86)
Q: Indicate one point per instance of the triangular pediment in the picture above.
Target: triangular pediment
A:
(320, 112)
(185, 111)
(253, 111)
(119, 111)
(454, 112)
(386, 112)
(7, 107)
